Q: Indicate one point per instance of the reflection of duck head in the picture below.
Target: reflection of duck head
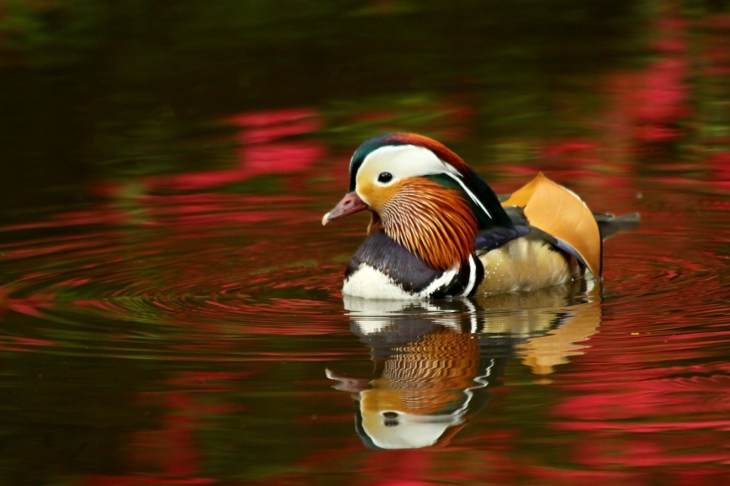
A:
(428, 368)
(433, 363)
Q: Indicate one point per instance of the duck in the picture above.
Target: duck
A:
(438, 230)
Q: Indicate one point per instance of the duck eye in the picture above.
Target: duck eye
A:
(385, 177)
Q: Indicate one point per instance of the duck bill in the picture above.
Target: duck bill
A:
(349, 204)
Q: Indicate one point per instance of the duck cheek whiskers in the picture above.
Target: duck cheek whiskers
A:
(432, 222)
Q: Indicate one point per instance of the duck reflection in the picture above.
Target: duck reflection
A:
(434, 362)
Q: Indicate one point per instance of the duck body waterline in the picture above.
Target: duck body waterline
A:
(438, 230)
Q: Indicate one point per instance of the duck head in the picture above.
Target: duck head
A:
(422, 195)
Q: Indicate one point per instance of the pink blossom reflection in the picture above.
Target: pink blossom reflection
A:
(265, 146)
(652, 103)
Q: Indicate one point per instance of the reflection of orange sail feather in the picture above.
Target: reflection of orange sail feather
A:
(557, 211)
(543, 353)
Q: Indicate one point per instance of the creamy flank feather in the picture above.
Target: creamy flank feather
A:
(523, 265)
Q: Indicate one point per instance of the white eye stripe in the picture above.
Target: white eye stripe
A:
(411, 161)
(403, 161)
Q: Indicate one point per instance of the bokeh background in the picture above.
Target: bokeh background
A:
(169, 303)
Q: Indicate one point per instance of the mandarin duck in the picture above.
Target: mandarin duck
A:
(438, 230)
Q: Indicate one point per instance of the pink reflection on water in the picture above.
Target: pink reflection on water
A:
(137, 480)
(622, 415)
(720, 170)
(171, 454)
(652, 103)
(579, 477)
(264, 148)
(270, 142)
(716, 56)
(448, 119)
(33, 305)
(268, 126)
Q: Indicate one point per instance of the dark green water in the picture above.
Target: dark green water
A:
(169, 303)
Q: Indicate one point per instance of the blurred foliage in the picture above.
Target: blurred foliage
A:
(107, 90)
(98, 82)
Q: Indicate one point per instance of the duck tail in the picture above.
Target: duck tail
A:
(610, 225)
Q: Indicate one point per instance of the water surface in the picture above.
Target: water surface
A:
(169, 304)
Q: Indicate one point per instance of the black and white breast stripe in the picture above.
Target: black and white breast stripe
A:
(382, 268)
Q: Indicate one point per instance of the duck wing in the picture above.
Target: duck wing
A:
(494, 237)
(560, 213)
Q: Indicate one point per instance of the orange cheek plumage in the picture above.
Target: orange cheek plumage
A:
(431, 221)
(377, 197)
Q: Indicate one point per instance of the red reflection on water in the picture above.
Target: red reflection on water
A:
(580, 477)
(172, 448)
(136, 480)
(32, 305)
(19, 344)
(720, 169)
(448, 119)
(645, 398)
(263, 149)
(37, 251)
(403, 467)
(574, 159)
(716, 55)
(653, 102)
(631, 400)
(171, 454)
(621, 413)
(267, 126)
(267, 145)
(3, 300)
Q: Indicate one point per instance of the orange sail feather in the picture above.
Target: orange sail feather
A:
(559, 212)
